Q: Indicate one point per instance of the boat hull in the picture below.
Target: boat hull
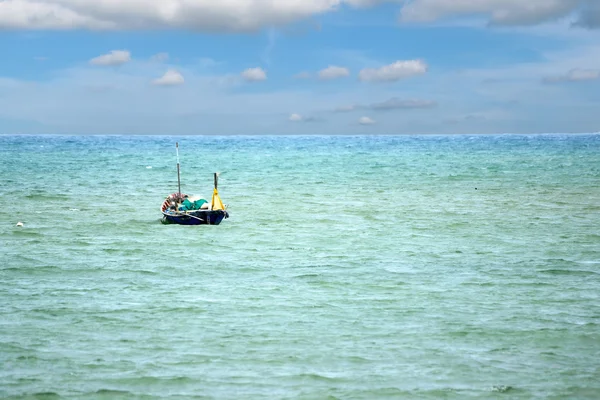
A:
(199, 217)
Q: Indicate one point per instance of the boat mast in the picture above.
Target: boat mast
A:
(178, 178)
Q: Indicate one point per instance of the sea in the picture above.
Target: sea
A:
(350, 267)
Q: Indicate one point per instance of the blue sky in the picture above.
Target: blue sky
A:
(299, 66)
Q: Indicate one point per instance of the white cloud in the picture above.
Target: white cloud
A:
(333, 72)
(160, 57)
(254, 75)
(39, 14)
(205, 15)
(170, 78)
(302, 118)
(115, 57)
(575, 75)
(393, 72)
(366, 121)
(499, 12)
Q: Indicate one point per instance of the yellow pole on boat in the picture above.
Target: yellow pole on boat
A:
(216, 203)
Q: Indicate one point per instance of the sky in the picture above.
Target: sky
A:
(256, 67)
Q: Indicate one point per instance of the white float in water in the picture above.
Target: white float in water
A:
(19, 224)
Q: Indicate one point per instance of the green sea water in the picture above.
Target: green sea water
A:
(363, 267)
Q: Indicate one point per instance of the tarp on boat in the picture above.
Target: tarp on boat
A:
(188, 205)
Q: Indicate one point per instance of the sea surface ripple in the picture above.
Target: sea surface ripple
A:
(351, 267)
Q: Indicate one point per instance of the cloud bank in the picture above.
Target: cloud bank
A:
(204, 15)
(391, 104)
(505, 12)
(252, 15)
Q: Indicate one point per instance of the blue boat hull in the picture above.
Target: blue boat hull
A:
(199, 217)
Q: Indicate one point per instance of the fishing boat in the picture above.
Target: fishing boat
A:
(182, 209)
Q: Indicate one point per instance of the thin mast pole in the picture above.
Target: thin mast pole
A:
(178, 178)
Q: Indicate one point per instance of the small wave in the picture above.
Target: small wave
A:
(548, 353)
(179, 310)
(589, 262)
(480, 284)
(11, 269)
(580, 272)
(34, 268)
(111, 392)
(307, 276)
(532, 284)
(26, 233)
(499, 349)
(46, 196)
(45, 395)
(149, 380)
(357, 359)
(141, 271)
(502, 388)
(317, 377)
(22, 358)
(396, 392)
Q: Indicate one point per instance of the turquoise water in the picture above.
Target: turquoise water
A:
(350, 268)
